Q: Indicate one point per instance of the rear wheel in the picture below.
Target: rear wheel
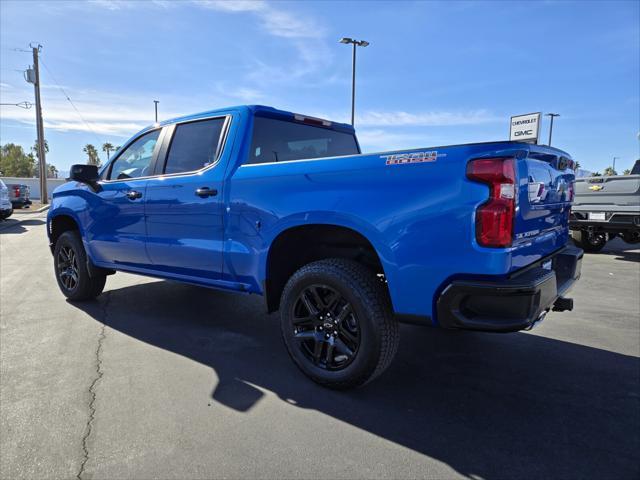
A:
(70, 263)
(589, 241)
(337, 323)
(631, 237)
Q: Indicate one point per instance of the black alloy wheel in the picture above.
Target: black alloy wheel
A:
(67, 266)
(70, 266)
(337, 323)
(325, 327)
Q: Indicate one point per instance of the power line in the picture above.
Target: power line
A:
(70, 101)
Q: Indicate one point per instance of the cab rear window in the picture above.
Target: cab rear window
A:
(281, 141)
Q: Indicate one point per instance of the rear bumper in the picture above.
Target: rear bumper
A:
(514, 303)
(615, 222)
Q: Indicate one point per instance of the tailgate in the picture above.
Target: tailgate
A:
(544, 201)
(620, 193)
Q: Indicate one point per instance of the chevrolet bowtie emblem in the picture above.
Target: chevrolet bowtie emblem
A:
(595, 188)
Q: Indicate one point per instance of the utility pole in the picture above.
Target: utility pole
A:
(614, 164)
(552, 115)
(156, 102)
(34, 77)
(355, 43)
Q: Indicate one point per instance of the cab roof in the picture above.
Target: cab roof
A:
(263, 111)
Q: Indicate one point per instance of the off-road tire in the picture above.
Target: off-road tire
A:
(370, 303)
(85, 287)
(589, 242)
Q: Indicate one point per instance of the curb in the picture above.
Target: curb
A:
(40, 210)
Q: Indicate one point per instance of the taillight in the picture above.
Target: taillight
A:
(495, 217)
(16, 191)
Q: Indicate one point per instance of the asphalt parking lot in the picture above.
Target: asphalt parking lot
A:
(162, 380)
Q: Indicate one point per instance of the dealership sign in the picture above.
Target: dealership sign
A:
(525, 128)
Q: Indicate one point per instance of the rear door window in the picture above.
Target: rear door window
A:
(281, 141)
(194, 145)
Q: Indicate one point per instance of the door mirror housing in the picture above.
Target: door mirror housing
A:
(85, 174)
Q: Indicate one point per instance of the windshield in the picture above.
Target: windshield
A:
(281, 141)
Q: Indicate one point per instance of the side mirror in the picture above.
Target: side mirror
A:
(84, 173)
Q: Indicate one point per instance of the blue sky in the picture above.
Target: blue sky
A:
(436, 73)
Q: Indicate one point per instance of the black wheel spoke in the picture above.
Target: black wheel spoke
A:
(329, 354)
(304, 336)
(317, 351)
(303, 321)
(311, 308)
(344, 312)
(317, 299)
(346, 335)
(325, 327)
(342, 348)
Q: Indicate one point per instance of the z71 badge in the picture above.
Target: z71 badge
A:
(416, 157)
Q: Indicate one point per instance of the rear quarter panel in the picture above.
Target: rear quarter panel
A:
(419, 217)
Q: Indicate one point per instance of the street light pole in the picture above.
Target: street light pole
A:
(552, 115)
(355, 43)
(156, 102)
(614, 164)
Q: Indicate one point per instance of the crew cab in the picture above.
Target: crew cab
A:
(344, 244)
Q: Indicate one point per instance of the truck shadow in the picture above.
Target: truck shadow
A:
(488, 405)
(13, 226)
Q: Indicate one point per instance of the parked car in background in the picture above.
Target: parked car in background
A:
(604, 208)
(19, 195)
(6, 208)
(258, 200)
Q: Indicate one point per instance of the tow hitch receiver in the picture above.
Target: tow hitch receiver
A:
(563, 304)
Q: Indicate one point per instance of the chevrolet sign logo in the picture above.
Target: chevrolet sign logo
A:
(595, 188)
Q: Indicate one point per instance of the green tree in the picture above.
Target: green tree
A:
(107, 148)
(576, 165)
(92, 154)
(52, 171)
(14, 162)
(596, 174)
(626, 172)
(34, 148)
(609, 171)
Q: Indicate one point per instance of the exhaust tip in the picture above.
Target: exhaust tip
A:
(563, 304)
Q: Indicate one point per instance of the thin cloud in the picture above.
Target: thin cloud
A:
(275, 21)
(425, 119)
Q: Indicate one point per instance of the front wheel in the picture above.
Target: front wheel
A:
(337, 323)
(591, 242)
(70, 263)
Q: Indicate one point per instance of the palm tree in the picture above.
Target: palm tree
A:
(609, 171)
(626, 172)
(92, 153)
(52, 171)
(576, 165)
(108, 148)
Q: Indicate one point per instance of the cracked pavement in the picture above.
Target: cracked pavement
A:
(161, 380)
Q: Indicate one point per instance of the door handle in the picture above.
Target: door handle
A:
(205, 192)
(133, 194)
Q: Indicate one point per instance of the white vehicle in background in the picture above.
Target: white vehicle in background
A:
(6, 209)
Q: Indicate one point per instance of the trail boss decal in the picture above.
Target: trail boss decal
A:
(416, 157)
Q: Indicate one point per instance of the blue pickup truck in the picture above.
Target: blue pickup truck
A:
(345, 245)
